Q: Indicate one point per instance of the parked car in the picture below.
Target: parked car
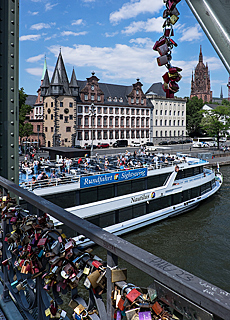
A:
(77, 146)
(163, 143)
(135, 144)
(88, 146)
(120, 143)
(103, 145)
(181, 141)
(172, 142)
(148, 144)
(188, 140)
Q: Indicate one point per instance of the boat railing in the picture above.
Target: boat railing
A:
(182, 291)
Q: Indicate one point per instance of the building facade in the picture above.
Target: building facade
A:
(121, 112)
(168, 118)
(200, 84)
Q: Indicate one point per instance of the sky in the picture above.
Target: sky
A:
(113, 38)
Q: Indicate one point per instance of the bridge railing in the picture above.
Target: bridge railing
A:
(174, 284)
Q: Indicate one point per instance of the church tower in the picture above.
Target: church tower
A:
(200, 84)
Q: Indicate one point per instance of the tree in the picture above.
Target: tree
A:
(194, 116)
(216, 122)
(25, 128)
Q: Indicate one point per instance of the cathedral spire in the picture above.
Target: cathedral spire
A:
(201, 55)
(221, 93)
(44, 69)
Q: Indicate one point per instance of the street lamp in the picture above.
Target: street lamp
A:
(92, 113)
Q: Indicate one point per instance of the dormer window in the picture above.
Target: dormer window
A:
(109, 99)
(142, 101)
(137, 92)
(132, 100)
(92, 87)
(92, 97)
(86, 97)
(115, 99)
(121, 100)
(98, 98)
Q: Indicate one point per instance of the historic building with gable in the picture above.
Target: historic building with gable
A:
(121, 112)
(200, 84)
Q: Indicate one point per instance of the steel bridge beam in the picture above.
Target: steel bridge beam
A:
(9, 70)
(213, 16)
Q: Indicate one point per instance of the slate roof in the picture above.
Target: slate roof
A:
(156, 88)
(30, 100)
(212, 105)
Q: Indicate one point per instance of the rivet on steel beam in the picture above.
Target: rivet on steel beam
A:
(12, 89)
(12, 21)
(12, 122)
(12, 78)
(12, 66)
(12, 134)
(12, 10)
(12, 32)
(12, 145)
(12, 44)
(12, 167)
(12, 156)
(12, 178)
(12, 111)
(12, 55)
(12, 100)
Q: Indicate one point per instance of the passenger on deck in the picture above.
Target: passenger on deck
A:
(33, 179)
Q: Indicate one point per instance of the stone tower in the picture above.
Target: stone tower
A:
(200, 84)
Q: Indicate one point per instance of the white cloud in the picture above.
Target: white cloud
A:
(88, 1)
(30, 37)
(190, 33)
(110, 35)
(71, 33)
(35, 71)
(134, 7)
(36, 58)
(77, 22)
(142, 41)
(39, 26)
(33, 13)
(50, 6)
(151, 25)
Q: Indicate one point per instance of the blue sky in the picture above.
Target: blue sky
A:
(112, 38)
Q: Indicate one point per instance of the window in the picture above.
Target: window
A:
(138, 111)
(110, 134)
(66, 119)
(147, 122)
(165, 122)
(116, 122)
(132, 134)
(52, 129)
(38, 127)
(170, 133)
(79, 121)
(132, 100)
(92, 87)
(61, 116)
(105, 109)
(127, 135)
(137, 92)
(52, 116)
(109, 99)
(156, 133)
(46, 129)
(46, 116)
(99, 121)
(71, 117)
(79, 135)
(182, 113)
(156, 112)
(170, 122)
(121, 100)
(66, 110)
(182, 122)
(110, 110)
(98, 98)
(66, 140)
(178, 133)
(178, 113)
(49, 111)
(174, 123)
(122, 134)
(174, 112)
(115, 99)
(98, 109)
(86, 109)
(79, 108)
(142, 122)
(71, 104)
(122, 111)
(161, 134)
(52, 104)
(165, 112)
(170, 112)
(165, 133)
(178, 122)
(86, 135)
(99, 135)
(116, 134)
(132, 111)
(161, 112)
(142, 112)
(127, 111)
(105, 122)
(161, 122)
(110, 121)
(142, 134)
(142, 101)
(132, 122)
(137, 101)
(61, 104)
(127, 122)
(68, 129)
(92, 97)
(156, 122)
(105, 136)
(138, 134)
(122, 121)
(138, 122)
(86, 97)
(116, 111)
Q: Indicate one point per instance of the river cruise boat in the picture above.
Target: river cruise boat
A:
(123, 200)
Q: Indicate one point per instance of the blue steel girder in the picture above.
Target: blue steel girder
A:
(213, 16)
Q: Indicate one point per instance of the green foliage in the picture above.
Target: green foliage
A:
(216, 122)
(225, 102)
(25, 128)
(194, 116)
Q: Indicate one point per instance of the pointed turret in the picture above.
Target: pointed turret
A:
(44, 70)
(201, 55)
(221, 93)
(45, 84)
(73, 85)
(59, 83)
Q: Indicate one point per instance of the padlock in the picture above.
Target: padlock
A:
(79, 309)
(73, 304)
(163, 60)
(159, 43)
(87, 283)
(118, 275)
(168, 32)
(102, 280)
(14, 284)
(157, 308)
(55, 248)
(163, 50)
(174, 19)
(145, 315)
(21, 285)
(6, 262)
(173, 86)
(174, 12)
(93, 278)
(130, 314)
(133, 295)
(42, 242)
(166, 77)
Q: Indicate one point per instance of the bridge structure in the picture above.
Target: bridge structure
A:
(191, 296)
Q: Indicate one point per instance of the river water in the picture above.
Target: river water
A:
(197, 241)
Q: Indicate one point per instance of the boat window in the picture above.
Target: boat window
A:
(176, 198)
(125, 214)
(195, 192)
(138, 185)
(123, 188)
(88, 196)
(105, 192)
(139, 210)
(205, 187)
(94, 220)
(107, 219)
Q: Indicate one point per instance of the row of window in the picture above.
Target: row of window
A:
(113, 134)
(117, 216)
(169, 122)
(112, 110)
(169, 133)
(60, 104)
(170, 104)
(169, 113)
(118, 121)
(68, 129)
(65, 118)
